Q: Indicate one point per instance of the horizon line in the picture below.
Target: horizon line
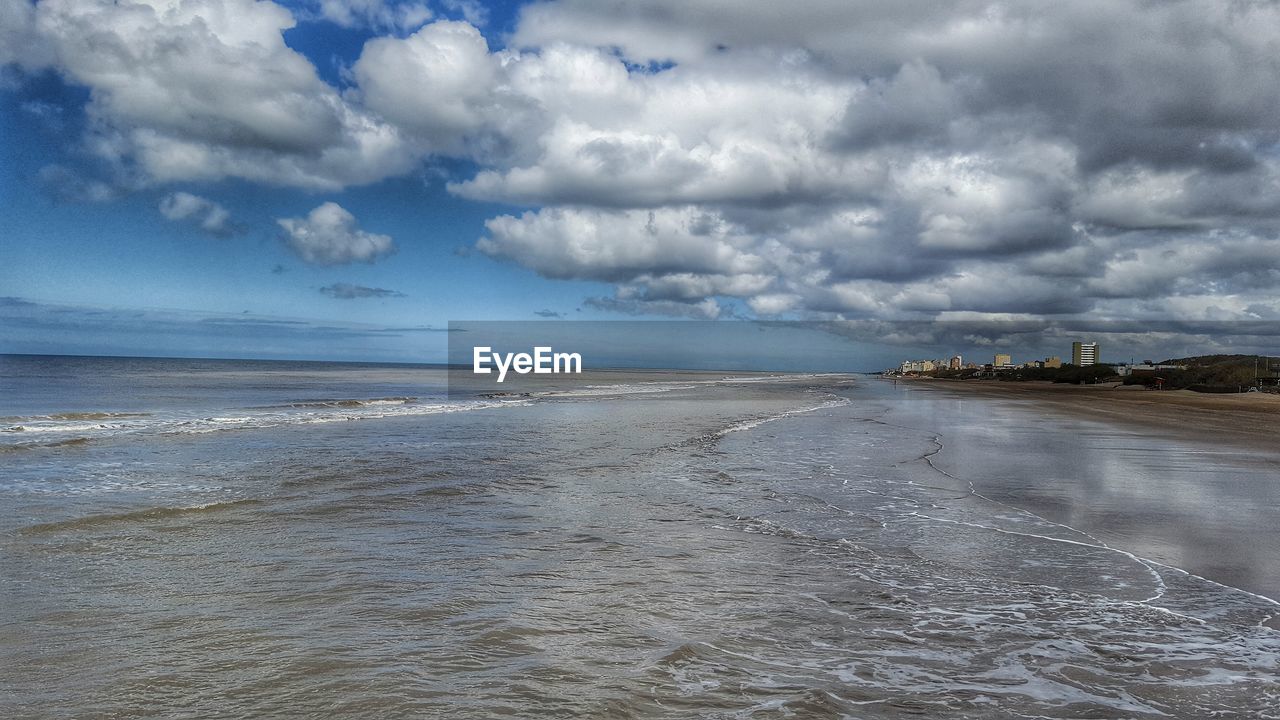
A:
(442, 365)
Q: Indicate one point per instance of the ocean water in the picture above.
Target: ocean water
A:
(231, 539)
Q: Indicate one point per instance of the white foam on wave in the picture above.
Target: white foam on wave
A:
(619, 389)
(757, 422)
(177, 424)
(790, 377)
(341, 403)
(659, 386)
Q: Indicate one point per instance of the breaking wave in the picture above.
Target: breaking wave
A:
(89, 426)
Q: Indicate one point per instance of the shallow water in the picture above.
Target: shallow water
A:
(682, 545)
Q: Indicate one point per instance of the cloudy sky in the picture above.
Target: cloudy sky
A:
(368, 170)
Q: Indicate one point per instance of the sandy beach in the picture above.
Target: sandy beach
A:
(1246, 419)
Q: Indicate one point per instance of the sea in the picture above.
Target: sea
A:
(232, 539)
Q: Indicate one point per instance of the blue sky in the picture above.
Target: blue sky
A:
(123, 254)
(347, 168)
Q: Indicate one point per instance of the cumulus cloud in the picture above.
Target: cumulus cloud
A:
(436, 83)
(836, 159)
(749, 132)
(867, 159)
(347, 291)
(206, 214)
(617, 245)
(328, 235)
(207, 89)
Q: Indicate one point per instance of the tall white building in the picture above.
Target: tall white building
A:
(1084, 353)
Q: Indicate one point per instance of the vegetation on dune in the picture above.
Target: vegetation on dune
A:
(1068, 373)
(1212, 373)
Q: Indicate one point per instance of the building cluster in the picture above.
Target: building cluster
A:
(1082, 354)
(1143, 367)
(1225, 376)
(922, 366)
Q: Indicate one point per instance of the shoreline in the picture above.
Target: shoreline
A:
(1242, 419)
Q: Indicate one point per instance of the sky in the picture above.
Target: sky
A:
(342, 178)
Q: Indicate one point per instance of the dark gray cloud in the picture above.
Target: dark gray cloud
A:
(347, 291)
(548, 314)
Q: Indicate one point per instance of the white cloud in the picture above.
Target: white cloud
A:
(773, 303)
(436, 84)
(618, 245)
(832, 158)
(206, 89)
(752, 131)
(208, 215)
(376, 14)
(328, 235)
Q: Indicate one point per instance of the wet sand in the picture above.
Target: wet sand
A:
(1182, 479)
(1240, 419)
